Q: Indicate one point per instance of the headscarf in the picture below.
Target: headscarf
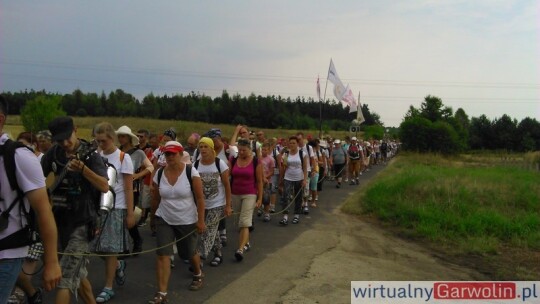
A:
(208, 141)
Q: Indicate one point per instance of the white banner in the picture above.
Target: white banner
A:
(360, 115)
(348, 99)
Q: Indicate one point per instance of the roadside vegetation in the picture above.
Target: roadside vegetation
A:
(481, 209)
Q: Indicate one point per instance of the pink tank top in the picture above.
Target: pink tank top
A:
(243, 180)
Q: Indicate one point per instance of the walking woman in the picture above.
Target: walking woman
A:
(142, 167)
(114, 236)
(292, 180)
(178, 215)
(247, 191)
(214, 174)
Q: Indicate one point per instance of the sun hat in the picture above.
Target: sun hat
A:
(173, 146)
(125, 130)
(337, 141)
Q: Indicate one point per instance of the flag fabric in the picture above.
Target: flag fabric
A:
(339, 88)
(349, 100)
(332, 74)
(360, 114)
(318, 88)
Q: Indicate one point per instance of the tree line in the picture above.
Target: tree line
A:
(434, 127)
(255, 111)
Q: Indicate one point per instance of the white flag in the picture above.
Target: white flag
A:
(339, 88)
(349, 100)
(360, 115)
(332, 74)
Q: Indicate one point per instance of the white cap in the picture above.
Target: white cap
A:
(354, 138)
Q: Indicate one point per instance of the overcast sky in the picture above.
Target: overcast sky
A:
(480, 55)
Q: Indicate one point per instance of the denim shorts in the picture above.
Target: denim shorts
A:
(9, 271)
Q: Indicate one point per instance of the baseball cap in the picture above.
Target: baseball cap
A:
(61, 128)
(354, 138)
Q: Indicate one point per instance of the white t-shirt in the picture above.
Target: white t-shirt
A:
(177, 205)
(124, 167)
(29, 177)
(214, 191)
(293, 169)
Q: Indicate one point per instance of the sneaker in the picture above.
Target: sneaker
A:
(317, 198)
(159, 298)
(120, 276)
(338, 185)
(284, 222)
(37, 298)
(259, 212)
(296, 220)
(306, 210)
(247, 247)
(272, 209)
(172, 264)
(357, 181)
(197, 282)
(266, 218)
(239, 255)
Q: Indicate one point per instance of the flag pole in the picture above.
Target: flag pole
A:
(324, 98)
(358, 106)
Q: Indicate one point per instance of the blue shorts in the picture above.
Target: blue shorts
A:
(9, 271)
(313, 181)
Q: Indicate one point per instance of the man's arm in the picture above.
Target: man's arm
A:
(49, 235)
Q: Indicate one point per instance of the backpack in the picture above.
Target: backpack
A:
(188, 173)
(301, 151)
(26, 235)
(217, 160)
(354, 151)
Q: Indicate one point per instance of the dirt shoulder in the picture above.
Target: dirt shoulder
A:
(319, 265)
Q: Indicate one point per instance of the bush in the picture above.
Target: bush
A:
(38, 112)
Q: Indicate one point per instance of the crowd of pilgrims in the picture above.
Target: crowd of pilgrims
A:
(175, 189)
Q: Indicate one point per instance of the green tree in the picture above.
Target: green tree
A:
(432, 108)
(38, 112)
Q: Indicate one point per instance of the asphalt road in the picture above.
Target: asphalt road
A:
(267, 240)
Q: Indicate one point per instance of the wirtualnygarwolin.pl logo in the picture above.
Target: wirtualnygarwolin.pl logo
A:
(447, 292)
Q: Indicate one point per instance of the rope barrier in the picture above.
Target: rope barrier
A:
(91, 254)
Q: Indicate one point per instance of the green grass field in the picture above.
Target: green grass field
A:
(183, 128)
(470, 205)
